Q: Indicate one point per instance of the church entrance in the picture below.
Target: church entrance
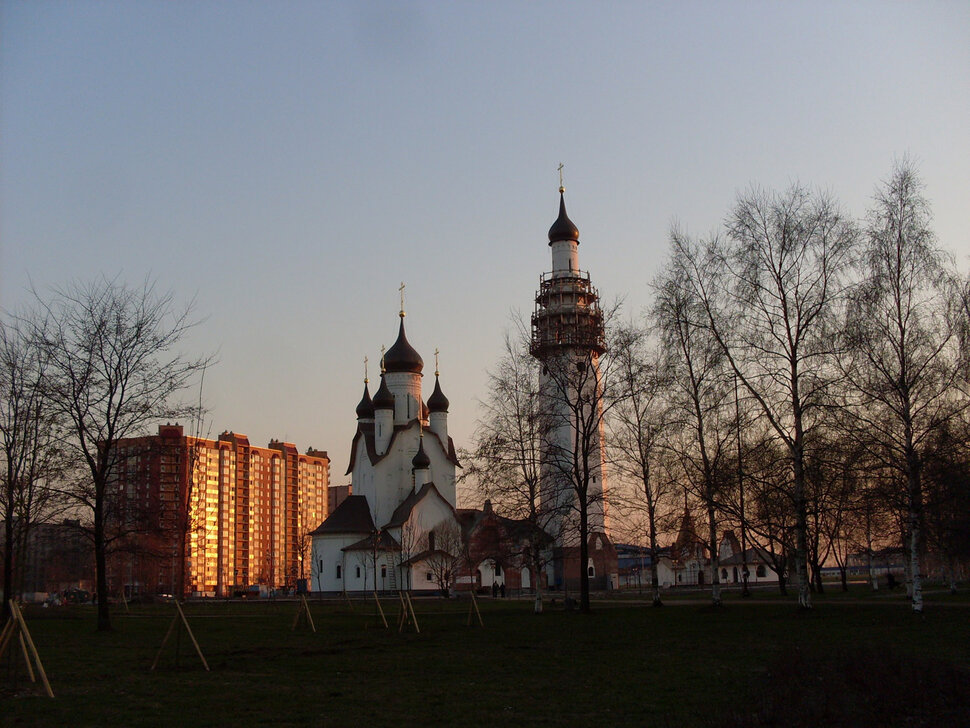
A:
(700, 578)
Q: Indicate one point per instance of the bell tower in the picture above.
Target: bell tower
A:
(568, 339)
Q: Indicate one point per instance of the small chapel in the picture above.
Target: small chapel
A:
(398, 529)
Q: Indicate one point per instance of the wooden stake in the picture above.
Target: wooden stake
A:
(413, 615)
(381, 610)
(180, 615)
(471, 607)
(304, 609)
(16, 624)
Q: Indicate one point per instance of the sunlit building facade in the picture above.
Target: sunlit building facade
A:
(245, 513)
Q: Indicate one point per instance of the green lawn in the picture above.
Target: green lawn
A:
(758, 664)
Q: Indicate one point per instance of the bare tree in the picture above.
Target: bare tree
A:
(903, 355)
(636, 429)
(443, 547)
(701, 422)
(29, 437)
(579, 389)
(506, 456)
(113, 371)
(771, 293)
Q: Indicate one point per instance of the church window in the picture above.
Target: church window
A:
(760, 571)
(498, 569)
(430, 540)
(591, 570)
(428, 576)
(724, 574)
(383, 571)
(358, 572)
(321, 566)
(338, 571)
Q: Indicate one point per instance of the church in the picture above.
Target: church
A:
(401, 529)
(398, 530)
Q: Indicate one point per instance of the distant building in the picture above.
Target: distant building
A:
(249, 512)
(58, 556)
(337, 494)
(687, 561)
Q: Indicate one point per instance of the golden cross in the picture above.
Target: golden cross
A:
(436, 361)
(365, 370)
(561, 188)
(401, 289)
(383, 349)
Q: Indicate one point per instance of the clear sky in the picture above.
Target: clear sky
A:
(290, 163)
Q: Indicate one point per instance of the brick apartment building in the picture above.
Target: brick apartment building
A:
(245, 510)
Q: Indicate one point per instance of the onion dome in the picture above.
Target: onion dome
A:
(365, 410)
(437, 402)
(402, 357)
(563, 228)
(383, 399)
(421, 461)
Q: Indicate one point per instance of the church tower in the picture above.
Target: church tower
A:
(568, 338)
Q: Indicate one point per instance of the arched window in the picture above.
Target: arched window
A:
(358, 572)
(430, 540)
(338, 571)
(383, 571)
(724, 574)
(760, 571)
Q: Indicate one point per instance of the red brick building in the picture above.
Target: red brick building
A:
(245, 513)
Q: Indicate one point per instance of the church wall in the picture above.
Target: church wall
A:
(327, 555)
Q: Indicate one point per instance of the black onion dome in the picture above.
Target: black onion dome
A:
(563, 228)
(421, 461)
(437, 402)
(365, 409)
(402, 357)
(383, 399)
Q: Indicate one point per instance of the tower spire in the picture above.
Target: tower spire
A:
(561, 187)
(401, 289)
(366, 380)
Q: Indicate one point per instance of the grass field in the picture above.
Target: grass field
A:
(848, 662)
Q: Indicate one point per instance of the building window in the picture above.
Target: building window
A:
(321, 566)
(338, 571)
(760, 571)
(430, 540)
(428, 576)
(590, 569)
(383, 571)
(498, 569)
(724, 574)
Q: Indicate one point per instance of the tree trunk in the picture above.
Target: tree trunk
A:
(101, 563)
(654, 576)
(715, 561)
(583, 556)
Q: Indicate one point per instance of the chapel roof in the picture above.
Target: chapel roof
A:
(402, 357)
(351, 516)
(365, 409)
(563, 228)
(437, 402)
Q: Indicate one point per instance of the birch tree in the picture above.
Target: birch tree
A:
(698, 388)
(505, 459)
(903, 346)
(636, 430)
(771, 293)
(113, 371)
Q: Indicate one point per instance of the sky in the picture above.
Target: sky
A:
(287, 165)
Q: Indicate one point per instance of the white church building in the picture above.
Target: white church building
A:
(399, 527)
